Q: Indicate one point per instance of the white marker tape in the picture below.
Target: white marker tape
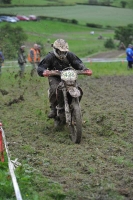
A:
(11, 169)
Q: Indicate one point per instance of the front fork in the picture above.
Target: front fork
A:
(67, 109)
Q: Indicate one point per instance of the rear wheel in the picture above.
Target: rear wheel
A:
(76, 122)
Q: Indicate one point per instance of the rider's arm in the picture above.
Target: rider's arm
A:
(75, 61)
(45, 64)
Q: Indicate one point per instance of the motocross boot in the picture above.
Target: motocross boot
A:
(52, 113)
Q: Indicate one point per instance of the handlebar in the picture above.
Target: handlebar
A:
(48, 73)
(87, 72)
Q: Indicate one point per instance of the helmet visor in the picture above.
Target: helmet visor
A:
(61, 54)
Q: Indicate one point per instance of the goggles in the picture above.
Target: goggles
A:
(61, 53)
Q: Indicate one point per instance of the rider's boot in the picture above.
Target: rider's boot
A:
(52, 113)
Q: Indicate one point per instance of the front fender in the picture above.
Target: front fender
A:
(74, 92)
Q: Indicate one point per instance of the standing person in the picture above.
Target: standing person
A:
(38, 54)
(129, 53)
(1, 61)
(21, 60)
(58, 59)
(33, 58)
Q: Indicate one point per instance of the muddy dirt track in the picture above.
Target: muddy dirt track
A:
(101, 167)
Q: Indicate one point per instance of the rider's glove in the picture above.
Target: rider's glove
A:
(87, 72)
(46, 73)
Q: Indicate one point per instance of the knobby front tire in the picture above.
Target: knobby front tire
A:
(76, 122)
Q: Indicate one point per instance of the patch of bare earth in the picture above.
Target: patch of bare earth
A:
(109, 54)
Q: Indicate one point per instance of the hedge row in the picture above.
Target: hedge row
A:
(72, 21)
(96, 4)
(57, 4)
(94, 25)
(47, 5)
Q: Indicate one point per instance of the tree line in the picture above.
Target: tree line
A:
(5, 1)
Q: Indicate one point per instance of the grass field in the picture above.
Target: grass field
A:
(106, 16)
(79, 38)
(45, 2)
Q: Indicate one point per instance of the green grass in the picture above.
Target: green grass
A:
(28, 180)
(99, 69)
(45, 2)
(82, 13)
(81, 42)
(109, 69)
(6, 186)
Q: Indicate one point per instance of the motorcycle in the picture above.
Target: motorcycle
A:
(70, 112)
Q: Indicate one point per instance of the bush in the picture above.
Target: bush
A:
(124, 34)
(94, 25)
(74, 21)
(11, 39)
(109, 43)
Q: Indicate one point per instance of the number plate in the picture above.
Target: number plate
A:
(69, 75)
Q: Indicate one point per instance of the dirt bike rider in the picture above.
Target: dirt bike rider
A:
(58, 59)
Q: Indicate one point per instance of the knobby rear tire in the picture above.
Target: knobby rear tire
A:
(76, 122)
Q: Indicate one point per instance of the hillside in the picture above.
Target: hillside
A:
(116, 3)
(106, 16)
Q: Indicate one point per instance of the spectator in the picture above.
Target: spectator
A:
(122, 46)
(21, 60)
(38, 54)
(129, 53)
(1, 61)
(33, 58)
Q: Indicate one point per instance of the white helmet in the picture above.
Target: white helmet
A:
(60, 48)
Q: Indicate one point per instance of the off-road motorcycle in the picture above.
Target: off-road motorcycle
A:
(70, 112)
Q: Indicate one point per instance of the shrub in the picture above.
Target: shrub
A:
(74, 21)
(124, 34)
(11, 39)
(94, 25)
(109, 43)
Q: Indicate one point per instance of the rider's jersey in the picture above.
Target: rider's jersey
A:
(51, 62)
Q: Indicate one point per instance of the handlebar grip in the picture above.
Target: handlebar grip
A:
(46, 73)
(87, 72)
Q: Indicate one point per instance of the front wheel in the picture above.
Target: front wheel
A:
(76, 122)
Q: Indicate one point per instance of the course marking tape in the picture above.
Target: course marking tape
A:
(11, 168)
